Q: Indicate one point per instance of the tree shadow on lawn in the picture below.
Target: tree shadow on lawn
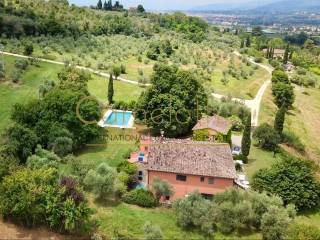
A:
(310, 213)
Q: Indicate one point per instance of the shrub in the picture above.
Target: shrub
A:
(267, 138)
(152, 232)
(274, 223)
(161, 188)
(232, 211)
(62, 146)
(237, 124)
(241, 157)
(21, 64)
(129, 168)
(23, 140)
(16, 75)
(280, 76)
(238, 167)
(28, 49)
(141, 198)
(2, 74)
(194, 211)
(101, 181)
(8, 162)
(43, 158)
(34, 197)
(258, 59)
(123, 69)
(301, 71)
(121, 184)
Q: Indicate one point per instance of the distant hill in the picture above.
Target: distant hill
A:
(233, 5)
(291, 5)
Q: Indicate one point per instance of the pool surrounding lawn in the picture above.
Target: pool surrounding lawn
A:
(118, 119)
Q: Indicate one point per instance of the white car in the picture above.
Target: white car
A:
(236, 151)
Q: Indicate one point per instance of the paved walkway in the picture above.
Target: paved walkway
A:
(254, 104)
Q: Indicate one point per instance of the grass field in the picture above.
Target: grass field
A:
(259, 159)
(98, 87)
(132, 69)
(303, 119)
(34, 76)
(129, 220)
(246, 89)
(28, 89)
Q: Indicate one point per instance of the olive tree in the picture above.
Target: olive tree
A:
(101, 180)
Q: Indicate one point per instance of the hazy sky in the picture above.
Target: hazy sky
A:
(163, 4)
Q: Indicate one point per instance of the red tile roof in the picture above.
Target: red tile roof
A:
(216, 123)
(194, 158)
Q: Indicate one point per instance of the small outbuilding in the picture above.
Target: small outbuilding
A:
(213, 128)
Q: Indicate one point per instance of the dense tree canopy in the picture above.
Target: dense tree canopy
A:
(283, 94)
(266, 137)
(60, 206)
(280, 76)
(173, 101)
(291, 179)
(232, 211)
(57, 121)
(101, 181)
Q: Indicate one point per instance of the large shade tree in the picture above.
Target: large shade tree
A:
(293, 180)
(174, 102)
(283, 94)
(64, 120)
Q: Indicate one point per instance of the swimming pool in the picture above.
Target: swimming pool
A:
(117, 118)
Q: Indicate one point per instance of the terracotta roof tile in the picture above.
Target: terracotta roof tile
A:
(194, 158)
(216, 123)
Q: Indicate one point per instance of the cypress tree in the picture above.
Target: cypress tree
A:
(105, 6)
(246, 139)
(290, 56)
(99, 4)
(279, 120)
(109, 5)
(271, 53)
(286, 54)
(248, 42)
(110, 90)
(242, 43)
(268, 52)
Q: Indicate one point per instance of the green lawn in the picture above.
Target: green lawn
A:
(246, 89)
(27, 90)
(259, 159)
(34, 76)
(133, 65)
(98, 87)
(129, 220)
(303, 119)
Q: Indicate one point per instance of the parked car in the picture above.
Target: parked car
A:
(236, 151)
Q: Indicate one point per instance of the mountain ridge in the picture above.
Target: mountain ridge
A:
(290, 5)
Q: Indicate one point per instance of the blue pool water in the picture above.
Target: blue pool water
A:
(119, 119)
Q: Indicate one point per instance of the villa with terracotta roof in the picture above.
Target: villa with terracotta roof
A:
(213, 128)
(186, 165)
